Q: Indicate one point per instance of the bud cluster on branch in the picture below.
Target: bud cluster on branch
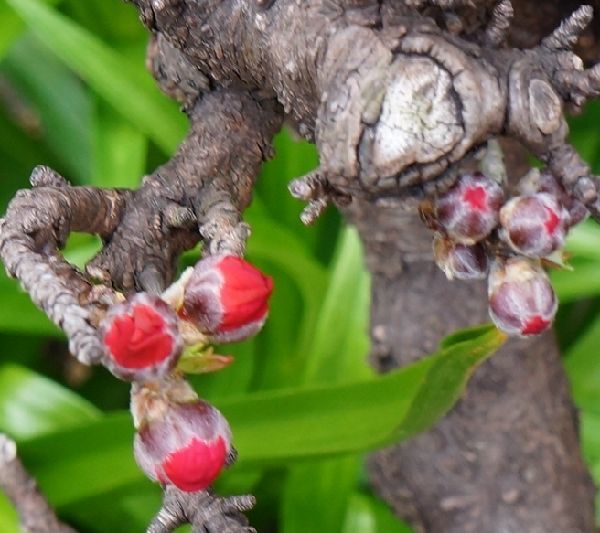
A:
(479, 234)
(181, 440)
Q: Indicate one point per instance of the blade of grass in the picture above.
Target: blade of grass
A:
(125, 85)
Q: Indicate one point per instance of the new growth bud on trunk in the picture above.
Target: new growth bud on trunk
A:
(521, 299)
(460, 261)
(226, 298)
(534, 225)
(141, 338)
(468, 212)
(181, 443)
(537, 181)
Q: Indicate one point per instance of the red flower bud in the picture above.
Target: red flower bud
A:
(227, 298)
(187, 446)
(521, 299)
(468, 212)
(141, 338)
(534, 225)
(459, 261)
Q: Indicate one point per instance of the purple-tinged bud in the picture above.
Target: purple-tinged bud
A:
(468, 212)
(534, 225)
(536, 181)
(185, 444)
(522, 301)
(460, 261)
(226, 298)
(141, 338)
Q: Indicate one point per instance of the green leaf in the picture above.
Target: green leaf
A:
(274, 427)
(583, 244)
(32, 405)
(369, 515)
(583, 366)
(584, 241)
(9, 520)
(99, 455)
(113, 20)
(590, 436)
(316, 494)
(294, 158)
(582, 282)
(340, 344)
(122, 83)
(127, 508)
(278, 426)
(11, 26)
(60, 100)
(18, 314)
(272, 242)
(463, 335)
(119, 150)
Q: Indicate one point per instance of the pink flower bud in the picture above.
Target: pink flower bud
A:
(521, 299)
(227, 298)
(141, 338)
(534, 225)
(468, 212)
(537, 181)
(460, 261)
(187, 446)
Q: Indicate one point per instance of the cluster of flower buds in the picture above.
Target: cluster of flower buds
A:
(180, 439)
(479, 234)
(221, 299)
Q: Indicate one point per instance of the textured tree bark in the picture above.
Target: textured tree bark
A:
(507, 458)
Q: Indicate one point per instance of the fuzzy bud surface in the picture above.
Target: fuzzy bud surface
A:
(140, 338)
(534, 225)
(460, 261)
(226, 298)
(187, 446)
(522, 301)
(469, 211)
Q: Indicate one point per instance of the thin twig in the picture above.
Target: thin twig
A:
(205, 512)
(35, 514)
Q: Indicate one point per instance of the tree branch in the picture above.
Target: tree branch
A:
(35, 514)
(205, 512)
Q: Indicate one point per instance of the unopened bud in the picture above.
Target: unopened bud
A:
(226, 298)
(140, 338)
(521, 299)
(460, 261)
(534, 225)
(536, 181)
(187, 445)
(468, 212)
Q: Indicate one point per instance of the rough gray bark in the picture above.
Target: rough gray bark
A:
(395, 94)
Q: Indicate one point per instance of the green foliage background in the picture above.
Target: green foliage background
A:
(74, 95)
